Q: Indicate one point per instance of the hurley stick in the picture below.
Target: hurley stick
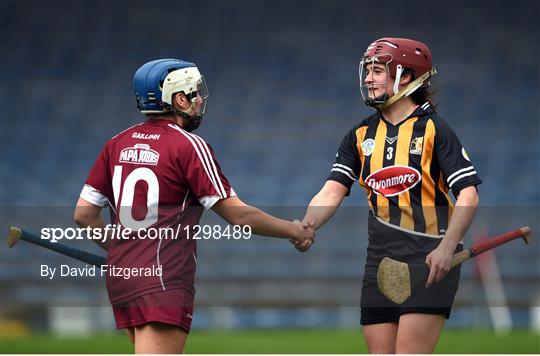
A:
(397, 280)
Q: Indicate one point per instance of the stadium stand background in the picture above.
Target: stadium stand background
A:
(283, 91)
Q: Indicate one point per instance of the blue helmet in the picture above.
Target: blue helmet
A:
(153, 90)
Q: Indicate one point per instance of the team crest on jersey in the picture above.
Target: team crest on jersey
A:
(139, 154)
(393, 180)
(416, 146)
(368, 146)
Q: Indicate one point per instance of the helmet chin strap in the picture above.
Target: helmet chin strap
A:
(193, 122)
(376, 102)
(408, 90)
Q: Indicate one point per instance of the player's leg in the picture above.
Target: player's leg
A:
(381, 338)
(378, 318)
(418, 333)
(159, 338)
(122, 316)
(131, 335)
(423, 315)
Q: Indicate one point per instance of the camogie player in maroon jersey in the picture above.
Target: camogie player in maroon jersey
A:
(406, 158)
(159, 175)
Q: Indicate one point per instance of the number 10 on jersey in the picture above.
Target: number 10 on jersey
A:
(125, 206)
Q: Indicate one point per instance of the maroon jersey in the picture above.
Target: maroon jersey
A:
(154, 175)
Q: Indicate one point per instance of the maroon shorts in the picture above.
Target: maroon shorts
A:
(172, 307)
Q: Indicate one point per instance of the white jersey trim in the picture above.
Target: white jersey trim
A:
(461, 176)
(338, 165)
(210, 158)
(159, 264)
(184, 202)
(204, 164)
(449, 179)
(344, 172)
(423, 234)
(94, 196)
(209, 201)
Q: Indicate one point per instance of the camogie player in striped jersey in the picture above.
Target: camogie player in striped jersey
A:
(154, 175)
(406, 158)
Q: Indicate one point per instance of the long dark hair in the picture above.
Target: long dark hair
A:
(422, 94)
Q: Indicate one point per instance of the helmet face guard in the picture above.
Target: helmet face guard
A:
(368, 83)
(197, 109)
(199, 97)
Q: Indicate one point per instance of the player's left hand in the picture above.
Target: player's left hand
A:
(439, 261)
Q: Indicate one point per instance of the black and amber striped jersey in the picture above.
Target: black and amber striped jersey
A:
(406, 169)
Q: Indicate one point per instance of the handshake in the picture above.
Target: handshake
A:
(304, 235)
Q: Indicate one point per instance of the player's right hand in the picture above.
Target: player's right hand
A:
(304, 237)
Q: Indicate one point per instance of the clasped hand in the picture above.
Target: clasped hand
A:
(304, 236)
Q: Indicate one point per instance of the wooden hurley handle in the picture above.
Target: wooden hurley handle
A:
(483, 246)
(460, 257)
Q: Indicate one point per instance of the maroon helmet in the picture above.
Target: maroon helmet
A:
(397, 54)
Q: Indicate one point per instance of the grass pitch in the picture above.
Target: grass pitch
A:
(278, 341)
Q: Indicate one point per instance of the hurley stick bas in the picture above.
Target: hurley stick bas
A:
(397, 280)
(16, 234)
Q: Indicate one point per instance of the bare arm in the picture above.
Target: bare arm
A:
(236, 212)
(87, 214)
(323, 205)
(462, 217)
(439, 259)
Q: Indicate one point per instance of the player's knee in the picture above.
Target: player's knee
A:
(412, 345)
(382, 349)
(413, 349)
(404, 348)
(381, 345)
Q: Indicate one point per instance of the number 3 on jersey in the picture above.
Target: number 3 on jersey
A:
(389, 153)
(127, 190)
